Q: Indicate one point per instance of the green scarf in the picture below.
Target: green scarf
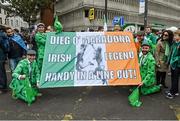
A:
(167, 49)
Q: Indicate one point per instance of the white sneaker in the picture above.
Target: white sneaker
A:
(170, 96)
(176, 94)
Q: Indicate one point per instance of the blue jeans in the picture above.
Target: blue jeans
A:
(13, 63)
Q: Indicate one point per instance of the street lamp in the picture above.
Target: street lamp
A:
(145, 13)
(105, 12)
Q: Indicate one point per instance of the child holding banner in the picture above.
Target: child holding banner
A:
(40, 39)
(25, 77)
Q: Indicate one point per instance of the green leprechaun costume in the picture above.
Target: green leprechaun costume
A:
(147, 71)
(24, 79)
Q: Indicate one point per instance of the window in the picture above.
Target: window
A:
(86, 13)
(7, 21)
(4, 12)
(16, 23)
(12, 23)
(0, 20)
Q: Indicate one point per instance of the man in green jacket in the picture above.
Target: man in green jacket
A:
(151, 38)
(149, 35)
(40, 39)
(25, 78)
(147, 71)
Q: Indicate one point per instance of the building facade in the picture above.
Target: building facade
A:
(14, 22)
(73, 14)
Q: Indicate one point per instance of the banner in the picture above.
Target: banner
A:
(89, 59)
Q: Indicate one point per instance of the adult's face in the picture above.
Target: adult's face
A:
(31, 58)
(9, 32)
(145, 49)
(165, 36)
(140, 37)
(148, 30)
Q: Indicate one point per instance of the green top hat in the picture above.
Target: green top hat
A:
(145, 43)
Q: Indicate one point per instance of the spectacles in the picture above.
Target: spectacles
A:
(165, 35)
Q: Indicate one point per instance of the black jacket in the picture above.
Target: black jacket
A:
(3, 46)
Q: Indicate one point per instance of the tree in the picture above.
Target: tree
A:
(47, 11)
(28, 9)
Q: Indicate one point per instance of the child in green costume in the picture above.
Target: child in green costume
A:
(25, 78)
(40, 39)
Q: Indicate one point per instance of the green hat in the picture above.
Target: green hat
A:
(145, 43)
(31, 52)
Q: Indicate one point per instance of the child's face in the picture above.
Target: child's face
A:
(177, 37)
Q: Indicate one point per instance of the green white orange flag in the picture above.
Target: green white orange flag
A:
(105, 24)
(74, 59)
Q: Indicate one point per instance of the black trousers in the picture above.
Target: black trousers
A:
(3, 77)
(160, 77)
(175, 74)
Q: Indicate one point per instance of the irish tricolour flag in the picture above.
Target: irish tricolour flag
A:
(89, 59)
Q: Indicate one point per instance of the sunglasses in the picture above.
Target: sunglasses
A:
(165, 35)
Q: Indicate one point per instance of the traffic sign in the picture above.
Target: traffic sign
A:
(91, 14)
(122, 21)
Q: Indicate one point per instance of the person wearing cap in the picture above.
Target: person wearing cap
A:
(147, 71)
(25, 78)
(40, 39)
